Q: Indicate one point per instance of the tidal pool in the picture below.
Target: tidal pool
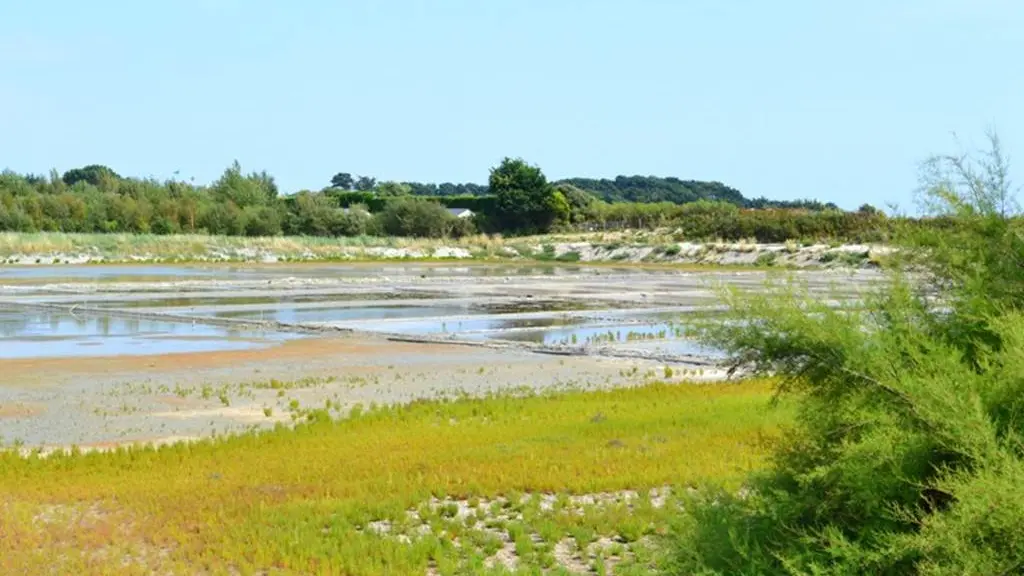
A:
(341, 313)
(38, 334)
(115, 273)
(473, 328)
(175, 303)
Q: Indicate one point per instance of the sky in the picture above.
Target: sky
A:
(839, 101)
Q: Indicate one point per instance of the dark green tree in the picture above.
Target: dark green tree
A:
(365, 183)
(98, 175)
(256, 189)
(582, 204)
(525, 200)
(342, 181)
(392, 189)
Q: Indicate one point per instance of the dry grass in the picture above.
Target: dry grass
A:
(131, 247)
(300, 501)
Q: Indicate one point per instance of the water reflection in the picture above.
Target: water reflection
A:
(26, 334)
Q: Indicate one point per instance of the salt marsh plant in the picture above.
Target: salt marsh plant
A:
(299, 501)
(908, 452)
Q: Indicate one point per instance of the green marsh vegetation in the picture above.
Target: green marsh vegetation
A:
(441, 484)
(907, 453)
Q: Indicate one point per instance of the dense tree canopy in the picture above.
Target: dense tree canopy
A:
(526, 201)
(447, 189)
(654, 189)
(621, 189)
(365, 183)
(95, 174)
(343, 181)
(95, 198)
(392, 189)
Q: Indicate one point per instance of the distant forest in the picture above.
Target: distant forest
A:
(642, 189)
(649, 189)
(518, 199)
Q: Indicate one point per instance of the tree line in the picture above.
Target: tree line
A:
(621, 189)
(517, 199)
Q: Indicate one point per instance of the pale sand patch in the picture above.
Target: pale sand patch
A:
(248, 414)
(46, 451)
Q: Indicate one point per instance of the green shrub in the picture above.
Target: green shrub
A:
(907, 456)
(546, 254)
(408, 216)
(766, 259)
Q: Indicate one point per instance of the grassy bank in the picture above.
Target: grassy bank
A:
(658, 247)
(200, 247)
(354, 496)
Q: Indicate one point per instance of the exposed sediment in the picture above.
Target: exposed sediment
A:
(355, 335)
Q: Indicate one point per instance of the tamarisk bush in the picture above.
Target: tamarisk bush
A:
(907, 453)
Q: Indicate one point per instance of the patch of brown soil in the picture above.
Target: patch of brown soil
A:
(23, 371)
(176, 401)
(20, 410)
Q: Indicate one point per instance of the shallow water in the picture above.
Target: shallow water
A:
(568, 304)
(657, 337)
(197, 301)
(342, 313)
(114, 273)
(163, 272)
(596, 335)
(472, 328)
(38, 334)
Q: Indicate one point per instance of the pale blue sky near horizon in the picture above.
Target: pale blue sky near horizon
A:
(838, 101)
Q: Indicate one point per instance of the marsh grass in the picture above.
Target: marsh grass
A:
(126, 247)
(299, 500)
(58, 247)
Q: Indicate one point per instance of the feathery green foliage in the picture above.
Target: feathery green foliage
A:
(907, 456)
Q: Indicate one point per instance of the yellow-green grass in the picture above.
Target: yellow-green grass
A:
(296, 501)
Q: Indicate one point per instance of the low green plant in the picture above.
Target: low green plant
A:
(571, 256)
(298, 500)
(766, 259)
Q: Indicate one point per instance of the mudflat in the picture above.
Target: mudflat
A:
(92, 356)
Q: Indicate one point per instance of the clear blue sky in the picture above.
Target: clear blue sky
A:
(833, 100)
